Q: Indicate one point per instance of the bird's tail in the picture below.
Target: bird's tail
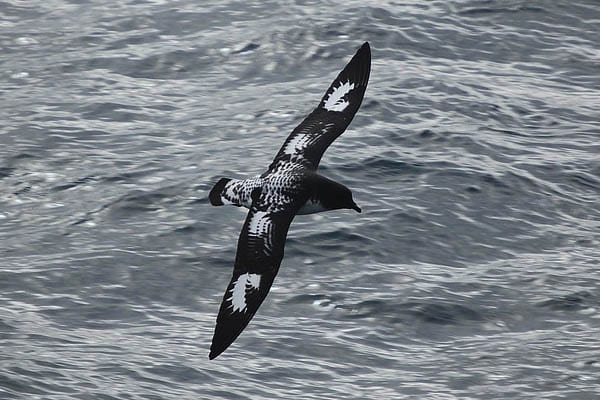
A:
(216, 194)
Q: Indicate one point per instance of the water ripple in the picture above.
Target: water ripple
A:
(472, 272)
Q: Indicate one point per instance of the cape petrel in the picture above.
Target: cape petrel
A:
(290, 186)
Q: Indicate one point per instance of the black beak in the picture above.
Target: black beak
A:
(356, 208)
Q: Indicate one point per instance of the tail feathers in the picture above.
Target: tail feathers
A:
(215, 194)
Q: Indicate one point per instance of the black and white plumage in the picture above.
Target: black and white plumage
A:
(290, 186)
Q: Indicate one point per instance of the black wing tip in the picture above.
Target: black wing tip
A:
(359, 67)
(364, 52)
(220, 344)
(225, 335)
(214, 354)
(215, 193)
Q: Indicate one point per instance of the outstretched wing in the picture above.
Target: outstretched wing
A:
(307, 143)
(259, 254)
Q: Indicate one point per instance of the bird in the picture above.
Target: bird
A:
(290, 186)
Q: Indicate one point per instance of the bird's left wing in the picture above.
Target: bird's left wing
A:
(305, 146)
(259, 254)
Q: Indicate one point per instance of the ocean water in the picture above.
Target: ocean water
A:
(472, 273)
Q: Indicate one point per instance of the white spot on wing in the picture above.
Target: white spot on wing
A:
(302, 141)
(260, 226)
(258, 223)
(298, 142)
(335, 101)
(242, 285)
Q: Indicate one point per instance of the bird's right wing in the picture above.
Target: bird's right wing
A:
(307, 143)
(259, 254)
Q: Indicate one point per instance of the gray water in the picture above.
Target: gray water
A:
(472, 272)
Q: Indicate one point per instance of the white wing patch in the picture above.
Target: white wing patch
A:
(335, 101)
(302, 141)
(244, 283)
(298, 142)
(258, 223)
(260, 226)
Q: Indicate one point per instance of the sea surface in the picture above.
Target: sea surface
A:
(472, 273)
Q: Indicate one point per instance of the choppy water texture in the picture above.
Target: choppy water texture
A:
(472, 273)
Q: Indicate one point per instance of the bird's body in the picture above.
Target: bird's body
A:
(306, 188)
(289, 187)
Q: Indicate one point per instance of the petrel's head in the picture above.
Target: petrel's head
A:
(355, 207)
(338, 196)
(346, 201)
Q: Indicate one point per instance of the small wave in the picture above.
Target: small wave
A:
(431, 312)
(571, 302)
